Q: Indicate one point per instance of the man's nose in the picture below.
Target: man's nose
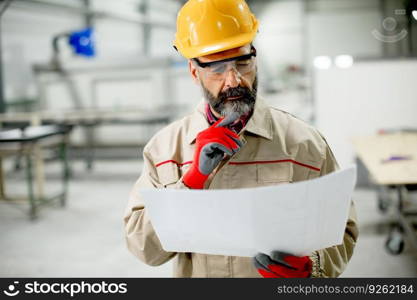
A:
(232, 78)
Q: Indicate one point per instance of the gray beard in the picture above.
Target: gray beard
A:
(235, 106)
(241, 106)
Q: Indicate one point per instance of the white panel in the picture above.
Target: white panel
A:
(363, 99)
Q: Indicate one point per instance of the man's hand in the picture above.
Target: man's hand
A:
(282, 265)
(211, 145)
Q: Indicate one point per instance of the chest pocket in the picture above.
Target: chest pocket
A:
(168, 174)
(270, 173)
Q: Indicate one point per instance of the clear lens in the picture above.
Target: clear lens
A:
(218, 70)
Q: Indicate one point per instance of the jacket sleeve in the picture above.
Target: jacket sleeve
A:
(140, 235)
(332, 261)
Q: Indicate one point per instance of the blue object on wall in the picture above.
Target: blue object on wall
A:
(83, 42)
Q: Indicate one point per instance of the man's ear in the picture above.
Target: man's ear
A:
(193, 72)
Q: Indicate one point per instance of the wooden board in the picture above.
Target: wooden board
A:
(376, 151)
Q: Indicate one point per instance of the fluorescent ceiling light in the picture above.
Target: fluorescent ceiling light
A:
(322, 62)
(343, 61)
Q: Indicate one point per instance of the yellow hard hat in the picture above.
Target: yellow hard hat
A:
(209, 26)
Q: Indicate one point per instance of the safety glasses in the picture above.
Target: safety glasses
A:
(241, 64)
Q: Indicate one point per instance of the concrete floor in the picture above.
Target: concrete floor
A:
(86, 238)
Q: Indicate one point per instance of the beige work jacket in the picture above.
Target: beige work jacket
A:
(279, 148)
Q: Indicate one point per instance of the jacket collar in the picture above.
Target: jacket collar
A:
(259, 124)
(261, 121)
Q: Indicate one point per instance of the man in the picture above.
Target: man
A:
(232, 140)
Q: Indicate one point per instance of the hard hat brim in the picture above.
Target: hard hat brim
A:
(219, 46)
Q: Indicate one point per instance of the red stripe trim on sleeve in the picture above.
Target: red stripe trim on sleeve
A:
(247, 163)
(274, 161)
(174, 162)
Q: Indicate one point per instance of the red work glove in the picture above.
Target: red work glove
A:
(282, 265)
(211, 145)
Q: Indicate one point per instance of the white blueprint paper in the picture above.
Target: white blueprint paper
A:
(297, 218)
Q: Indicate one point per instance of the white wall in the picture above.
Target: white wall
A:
(280, 36)
(292, 32)
(279, 44)
(363, 99)
(343, 32)
(28, 29)
(26, 38)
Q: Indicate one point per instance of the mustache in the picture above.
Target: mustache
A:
(238, 91)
